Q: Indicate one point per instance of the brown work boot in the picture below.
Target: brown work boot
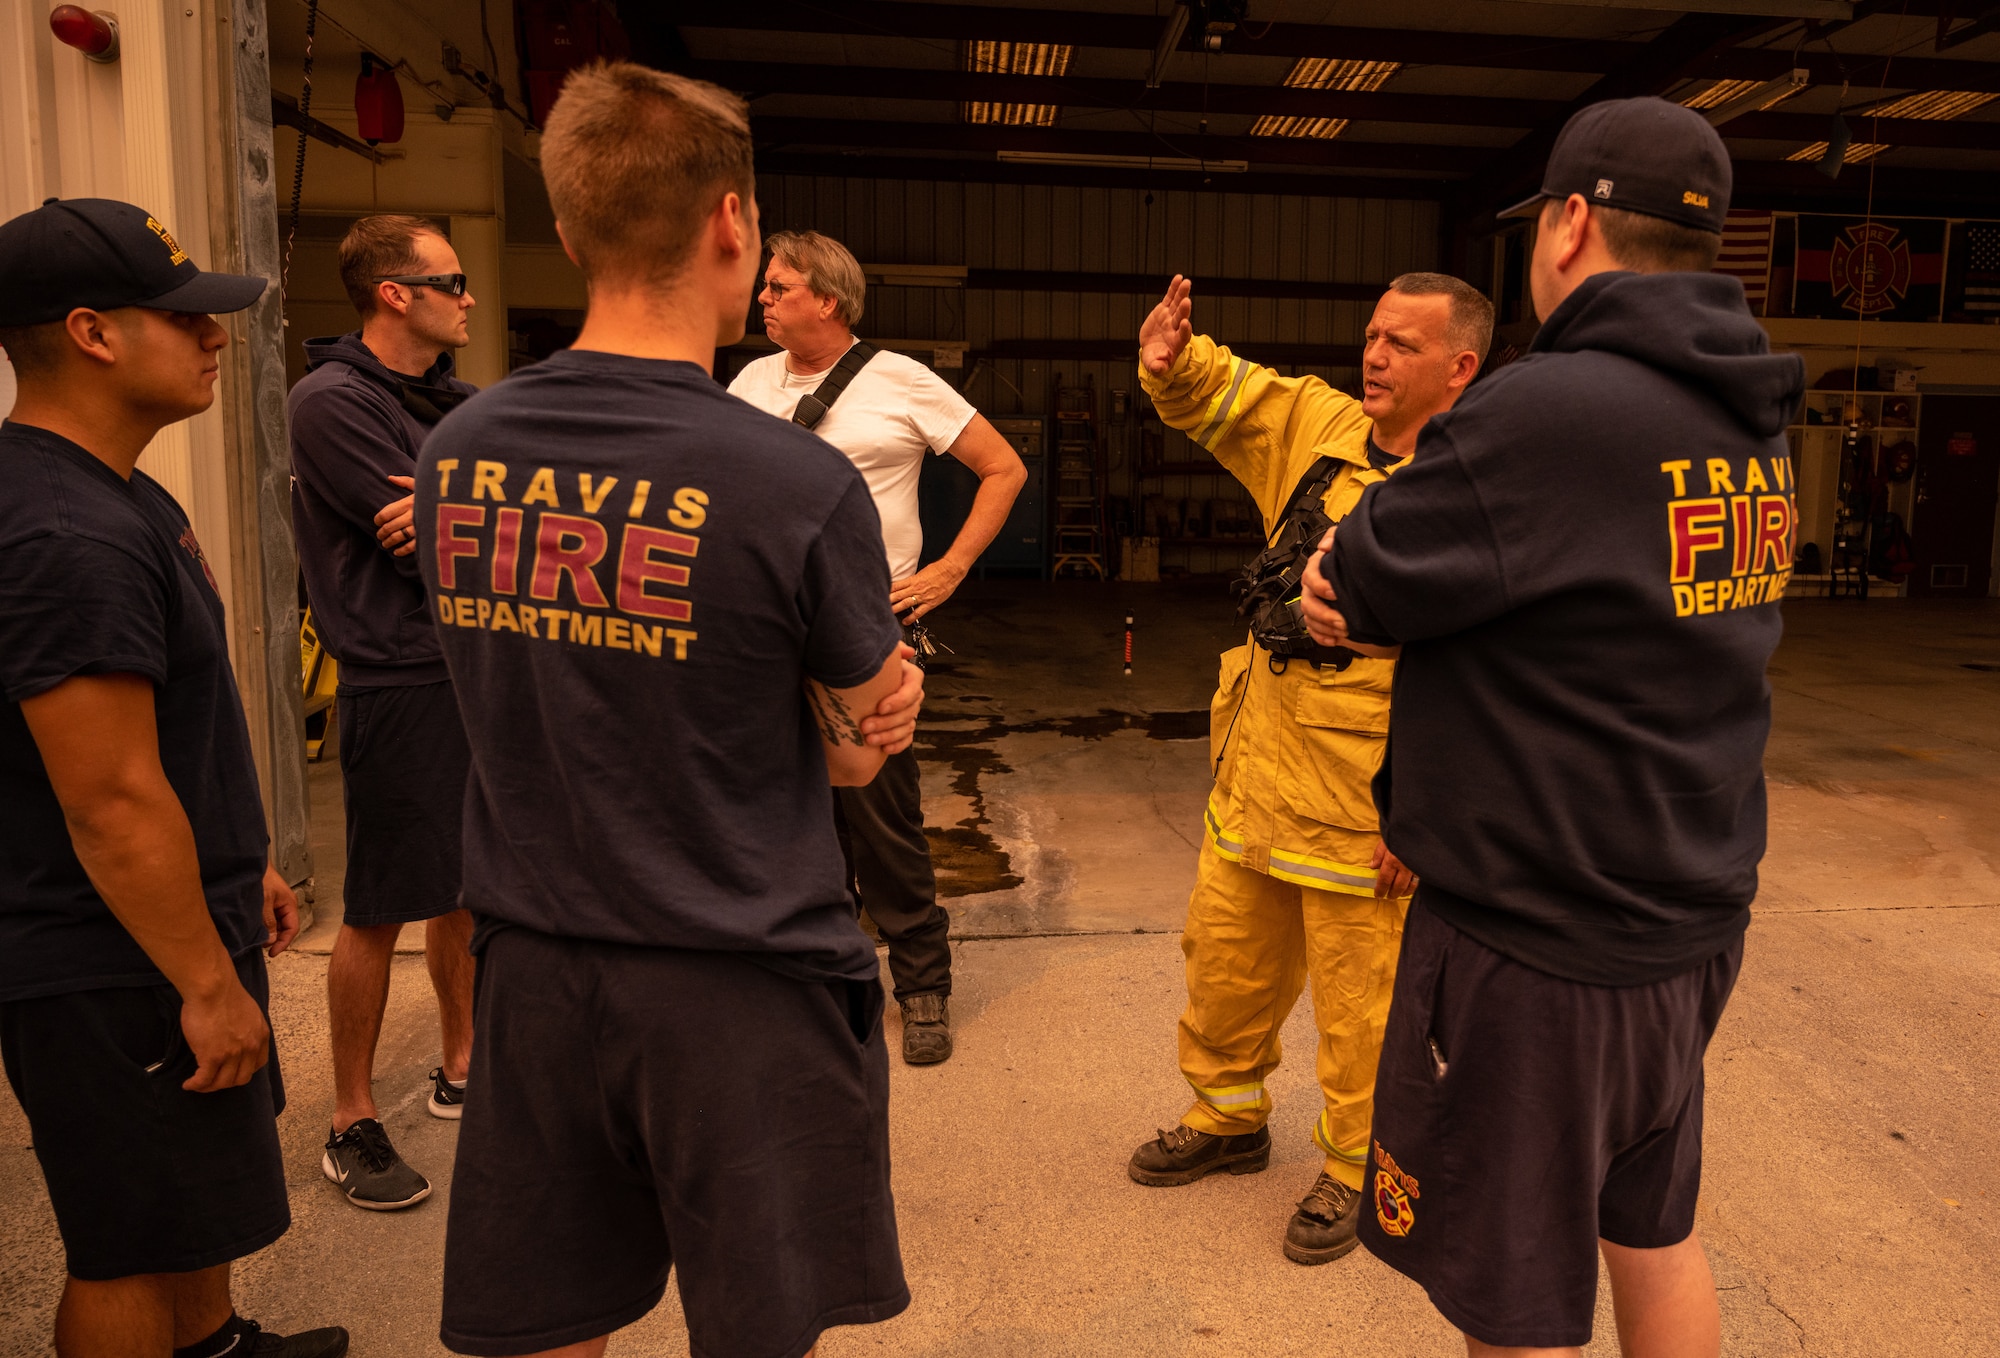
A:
(926, 1029)
(1180, 1155)
(1324, 1227)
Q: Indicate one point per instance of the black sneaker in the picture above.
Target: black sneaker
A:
(1180, 1155)
(367, 1169)
(242, 1338)
(1324, 1227)
(447, 1099)
(926, 1029)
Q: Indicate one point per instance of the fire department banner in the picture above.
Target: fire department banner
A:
(1889, 269)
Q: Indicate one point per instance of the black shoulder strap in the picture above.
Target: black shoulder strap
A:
(814, 405)
(1311, 486)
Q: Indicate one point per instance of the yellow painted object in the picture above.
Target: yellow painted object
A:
(321, 677)
(1251, 942)
(1293, 750)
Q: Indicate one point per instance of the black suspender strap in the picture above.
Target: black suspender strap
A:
(814, 405)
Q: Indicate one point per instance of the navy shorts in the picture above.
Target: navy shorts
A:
(1520, 1118)
(633, 1109)
(403, 765)
(145, 1177)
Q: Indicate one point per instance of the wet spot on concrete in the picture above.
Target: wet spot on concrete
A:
(968, 860)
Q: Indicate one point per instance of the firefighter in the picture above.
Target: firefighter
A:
(1293, 880)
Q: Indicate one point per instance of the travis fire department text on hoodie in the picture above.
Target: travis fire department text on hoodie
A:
(1584, 564)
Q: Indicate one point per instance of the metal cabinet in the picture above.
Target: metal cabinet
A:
(946, 490)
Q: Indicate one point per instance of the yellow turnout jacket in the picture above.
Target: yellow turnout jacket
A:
(1293, 752)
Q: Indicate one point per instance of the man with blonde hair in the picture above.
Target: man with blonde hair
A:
(884, 411)
(666, 620)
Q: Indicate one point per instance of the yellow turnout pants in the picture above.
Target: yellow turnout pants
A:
(1251, 941)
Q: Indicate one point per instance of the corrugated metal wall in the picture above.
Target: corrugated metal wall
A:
(1108, 230)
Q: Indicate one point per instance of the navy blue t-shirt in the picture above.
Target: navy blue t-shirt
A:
(99, 575)
(633, 574)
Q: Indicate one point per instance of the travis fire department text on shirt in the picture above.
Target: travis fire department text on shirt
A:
(493, 532)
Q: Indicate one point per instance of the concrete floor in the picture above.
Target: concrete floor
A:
(1852, 1183)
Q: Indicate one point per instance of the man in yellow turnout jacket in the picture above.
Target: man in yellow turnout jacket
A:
(1294, 881)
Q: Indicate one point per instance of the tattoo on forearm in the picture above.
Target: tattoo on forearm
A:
(836, 723)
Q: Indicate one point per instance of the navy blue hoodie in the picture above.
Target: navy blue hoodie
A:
(355, 424)
(1584, 564)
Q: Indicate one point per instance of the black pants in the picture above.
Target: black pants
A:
(889, 866)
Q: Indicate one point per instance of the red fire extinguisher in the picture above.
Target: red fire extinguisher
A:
(378, 102)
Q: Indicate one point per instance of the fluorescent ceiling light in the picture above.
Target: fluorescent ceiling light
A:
(1727, 100)
(1927, 105)
(915, 275)
(1324, 73)
(1016, 58)
(1123, 162)
(1856, 153)
(1932, 105)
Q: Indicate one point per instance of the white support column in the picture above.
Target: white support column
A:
(149, 182)
(478, 241)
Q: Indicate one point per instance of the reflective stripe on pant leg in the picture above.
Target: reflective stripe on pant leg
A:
(1323, 874)
(1351, 946)
(1245, 954)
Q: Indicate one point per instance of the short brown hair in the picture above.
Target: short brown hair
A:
(830, 268)
(1649, 244)
(34, 350)
(636, 159)
(1471, 319)
(380, 245)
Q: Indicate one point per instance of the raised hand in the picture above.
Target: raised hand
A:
(1167, 328)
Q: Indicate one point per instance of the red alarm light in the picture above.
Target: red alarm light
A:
(94, 35)
(378, 102)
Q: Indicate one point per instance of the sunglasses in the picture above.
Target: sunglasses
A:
(451, 284)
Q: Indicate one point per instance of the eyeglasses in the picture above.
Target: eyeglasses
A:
(451, 284)
(778, 290)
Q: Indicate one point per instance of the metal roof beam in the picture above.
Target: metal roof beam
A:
(1338, 153)
(757, 78)
(1163, 180)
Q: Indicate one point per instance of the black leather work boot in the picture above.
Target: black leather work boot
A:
(926, 1029)
(1180, 1155)
(1324, 1227)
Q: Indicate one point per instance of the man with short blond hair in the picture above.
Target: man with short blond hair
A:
(368, 401)
(889, 411)
(669, 633)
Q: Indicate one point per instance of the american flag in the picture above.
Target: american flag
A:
(1982, 268)
(1746, 254)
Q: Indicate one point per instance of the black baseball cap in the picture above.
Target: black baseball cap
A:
(101, 253)
(1642, 155)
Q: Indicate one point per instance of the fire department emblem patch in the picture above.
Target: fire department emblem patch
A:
(1870, 268)
(1393, 1212)
(1394, 1193)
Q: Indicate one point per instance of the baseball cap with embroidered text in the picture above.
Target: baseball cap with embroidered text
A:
(101, 253)
(1641, 155)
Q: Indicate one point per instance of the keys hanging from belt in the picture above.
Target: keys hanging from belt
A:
(920, 639)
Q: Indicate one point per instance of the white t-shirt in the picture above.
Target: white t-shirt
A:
(891, 413)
